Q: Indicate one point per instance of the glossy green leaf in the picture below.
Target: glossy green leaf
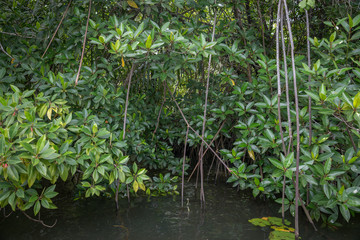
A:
(322, 92)
(345, 212)
(37, 207)
(327, 166)
(276, 163)
(40, 144)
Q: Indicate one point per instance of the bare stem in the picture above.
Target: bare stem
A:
(309, 77)
(15, 34)
(63, 16)
(286, 83)
(198, 135)
(183, 168)
(83, 48)
(39, 221)
(278, 76)
(127, 100)
(297, 124)
(123, 136)
(3, 50)
(198, 163)
(202, 195)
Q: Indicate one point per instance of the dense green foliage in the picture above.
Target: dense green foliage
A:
(53, 128)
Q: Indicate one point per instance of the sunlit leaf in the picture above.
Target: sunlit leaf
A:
(132, 4)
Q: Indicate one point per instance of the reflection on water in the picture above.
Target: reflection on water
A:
(225, 217)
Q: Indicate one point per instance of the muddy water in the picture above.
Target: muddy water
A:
(225, 217)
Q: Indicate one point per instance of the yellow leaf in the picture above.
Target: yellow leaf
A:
(282, 229)
(12, 60)
(252, 154)
(122, 62)
(136, 186)
(132, 4)
(356, 101)
(142, 186)
(49, 111)
(232, 81)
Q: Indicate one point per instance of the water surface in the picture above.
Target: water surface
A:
(225, 217)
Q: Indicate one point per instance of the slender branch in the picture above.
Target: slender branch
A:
(202, 195)
(197, 134)
(309, 77)
(346, 123)
(127, 99)
(283, 199)
(278, 76)
(297, 124)
(83, 49)
(183, 168)
(7, 215)
(63, 16)
(39, 221)
(278, 20)
(307, 214)
(3, 50)
(197, 165)
(309, 98)
(348, 127)
(305, 210)
(123, 136)
(286, 82)
(351, 138)
(15, 34)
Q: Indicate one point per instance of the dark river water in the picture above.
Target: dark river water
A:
(225, 217)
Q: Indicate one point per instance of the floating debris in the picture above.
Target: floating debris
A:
(280, 230)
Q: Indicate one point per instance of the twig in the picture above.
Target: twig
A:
(63, 16)
(197, 165)
(7, 215)
(347, 130)
(305, 210)
(351, 138)
(346, 123)
(307, 214)
(3, 50)
(197, 134)
(40, 221)
(83, 49)
(127, 99)
(183, 168)
(15, 34)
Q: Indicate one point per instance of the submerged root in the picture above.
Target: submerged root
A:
(39, 220)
